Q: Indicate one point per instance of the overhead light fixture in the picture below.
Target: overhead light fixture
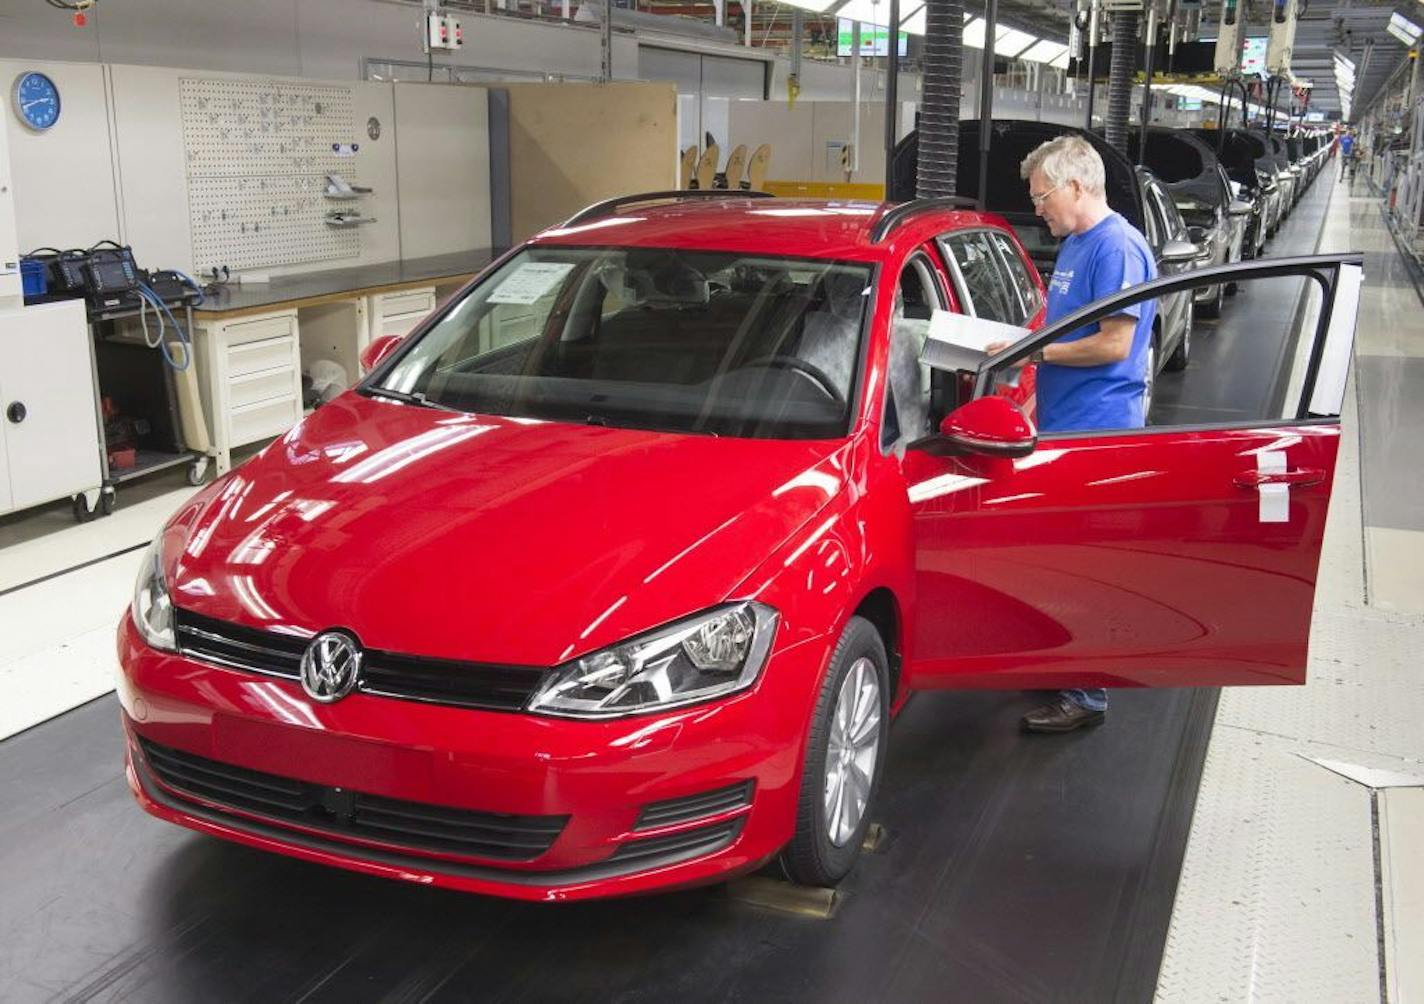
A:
(974, 33)
(1044, 51)
(1012, 42)
(1403, 29)
(816, 6)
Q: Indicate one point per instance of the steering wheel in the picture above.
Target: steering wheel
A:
(809, 371)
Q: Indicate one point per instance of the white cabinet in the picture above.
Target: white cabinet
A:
(251, 379)
(50, 440)
(398, 313)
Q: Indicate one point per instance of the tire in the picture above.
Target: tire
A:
(826, 844)
(1213, 309)
(108, 501)
(1151, 380)
(1177, 361)
(197, 470)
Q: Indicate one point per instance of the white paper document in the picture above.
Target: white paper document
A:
(530, 281)
(958, 342)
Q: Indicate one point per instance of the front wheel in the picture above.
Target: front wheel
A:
(844, 757)
(1212, 308)
(1177, 361)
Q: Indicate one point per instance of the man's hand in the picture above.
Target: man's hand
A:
(994, 348)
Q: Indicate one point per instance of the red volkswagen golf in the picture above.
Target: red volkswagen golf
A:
(613, 574)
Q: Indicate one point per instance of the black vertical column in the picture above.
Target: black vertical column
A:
(938, 168)
(1120, 70)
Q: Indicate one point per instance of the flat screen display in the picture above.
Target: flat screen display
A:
(1253, 57)
(874, 39)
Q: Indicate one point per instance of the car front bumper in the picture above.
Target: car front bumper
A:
(509, 804)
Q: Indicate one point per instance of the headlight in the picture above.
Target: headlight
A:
(708, 655)
(152, 609)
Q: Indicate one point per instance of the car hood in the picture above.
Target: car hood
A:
(1011, 141)
(488, 539)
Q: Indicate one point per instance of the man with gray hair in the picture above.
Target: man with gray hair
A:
(1095, 376)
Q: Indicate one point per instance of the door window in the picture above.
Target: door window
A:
(907, 399)
(1171, 216)
(988, 293)
(1152, 217)
(1283, 365)
(1018, 275)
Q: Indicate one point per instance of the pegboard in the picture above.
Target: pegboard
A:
(258, 155)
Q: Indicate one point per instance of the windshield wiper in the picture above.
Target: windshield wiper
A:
(415, 398)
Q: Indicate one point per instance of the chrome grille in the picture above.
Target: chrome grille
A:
(387, 674)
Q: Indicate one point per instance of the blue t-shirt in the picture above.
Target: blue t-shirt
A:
(1091, 265)
(1347, 143)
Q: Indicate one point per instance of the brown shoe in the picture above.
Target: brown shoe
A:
(1062, 715)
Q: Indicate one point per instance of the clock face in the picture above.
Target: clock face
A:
(36, 100)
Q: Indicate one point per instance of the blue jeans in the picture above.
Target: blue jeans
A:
(1093, 700)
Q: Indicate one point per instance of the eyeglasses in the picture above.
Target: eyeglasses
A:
(1039, 200)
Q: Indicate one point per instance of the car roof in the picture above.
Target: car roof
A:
(807, 228)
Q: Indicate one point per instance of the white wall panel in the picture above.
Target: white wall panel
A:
(831, 127)
(442, 157)
(64, 178)
(681, 68)
(725, 77)
(153, 180)
(787, 129)
(377, 163)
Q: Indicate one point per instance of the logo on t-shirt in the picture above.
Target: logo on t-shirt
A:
(1061, 282)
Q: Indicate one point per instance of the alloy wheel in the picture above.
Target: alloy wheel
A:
(1150, 382)
(852, 747)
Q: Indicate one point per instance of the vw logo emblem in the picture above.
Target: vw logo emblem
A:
(331, 666)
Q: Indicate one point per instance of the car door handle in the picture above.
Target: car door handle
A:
(1301, 477)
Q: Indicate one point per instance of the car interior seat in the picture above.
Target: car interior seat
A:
(830, 334)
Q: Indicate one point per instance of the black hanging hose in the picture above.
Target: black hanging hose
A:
(938, 164)
(1120, 70)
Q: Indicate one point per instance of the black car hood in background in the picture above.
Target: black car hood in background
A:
(1011, 142)
(1277, 147)
(1242, 153)
(1181, 162)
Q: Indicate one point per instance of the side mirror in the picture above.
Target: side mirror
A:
(375, 353)
(991, 426)
(1197, 234)
(1240, 208)
(1180, 252)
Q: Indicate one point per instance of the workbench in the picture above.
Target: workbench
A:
(253, 341)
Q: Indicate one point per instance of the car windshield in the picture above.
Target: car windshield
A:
(730, 344)
(1196, 212)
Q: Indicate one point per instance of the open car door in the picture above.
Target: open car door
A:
(1180, 554)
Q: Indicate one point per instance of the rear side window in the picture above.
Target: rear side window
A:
(988, 292)
(1170, 215)
(1153, 218)
(1018, 275)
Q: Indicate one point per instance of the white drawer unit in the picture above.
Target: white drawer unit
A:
(257, 357)
(398, 313)
(51, 445)
(250, 373)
